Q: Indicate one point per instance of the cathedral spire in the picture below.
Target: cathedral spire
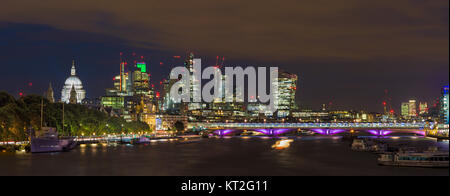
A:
(73, 71)
(49, 93)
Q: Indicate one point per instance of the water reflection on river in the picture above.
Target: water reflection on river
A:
(215, 156)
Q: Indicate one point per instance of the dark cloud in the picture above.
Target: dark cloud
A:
(255, 29)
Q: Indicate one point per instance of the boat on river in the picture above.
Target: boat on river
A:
(47, 140)
(368, 145)
(141, 140)
(415, 159)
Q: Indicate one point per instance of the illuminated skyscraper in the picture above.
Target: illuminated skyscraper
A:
(405, 109)
(194, 108)
(169, 106)
(287, 87)
(423, 108)
(444, 113)
(75, 82)
(140, 81)
(412, 108)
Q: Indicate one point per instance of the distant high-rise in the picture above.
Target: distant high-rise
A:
(287, 86)
(49, 94)
(423, 108)
(405, 109)
(412, 107)
(194, 109)
(140, 80)
(444, 113)
(75, 82)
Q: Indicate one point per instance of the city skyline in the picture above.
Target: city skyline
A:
(33, 87)
(191, 89)
(349, 61)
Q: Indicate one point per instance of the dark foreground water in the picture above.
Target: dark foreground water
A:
(215, 156)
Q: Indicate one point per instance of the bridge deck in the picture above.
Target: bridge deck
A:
(310, 125)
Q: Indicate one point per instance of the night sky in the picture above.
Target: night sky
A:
(346, 52)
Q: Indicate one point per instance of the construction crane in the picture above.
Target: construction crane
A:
(217, 65)
(387, 106)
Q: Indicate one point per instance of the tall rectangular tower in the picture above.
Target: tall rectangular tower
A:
(444, 105)
(412, 108)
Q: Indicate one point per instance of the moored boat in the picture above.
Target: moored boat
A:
(141, 140)
(359, 145)
(47, 140)
(415, 159)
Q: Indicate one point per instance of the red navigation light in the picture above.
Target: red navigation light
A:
(392, 112)
(21, 94)
(30, 84)
(384, 103)
(157, 94)
(161, 63)
(142, 57)
(176, 57)
(114, 79)
(153, 86)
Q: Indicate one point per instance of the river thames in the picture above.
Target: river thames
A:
(228, 156)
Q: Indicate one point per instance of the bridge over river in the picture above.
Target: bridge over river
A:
(377, 128)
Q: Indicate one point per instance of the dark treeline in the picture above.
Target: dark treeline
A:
(18, 116)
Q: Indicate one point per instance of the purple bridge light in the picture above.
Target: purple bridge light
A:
(328, 131)
(422, 133)
(223, 132)
(380, 132)
(270, 132)
(273, 131)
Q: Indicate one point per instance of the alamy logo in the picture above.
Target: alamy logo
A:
(223, 86)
